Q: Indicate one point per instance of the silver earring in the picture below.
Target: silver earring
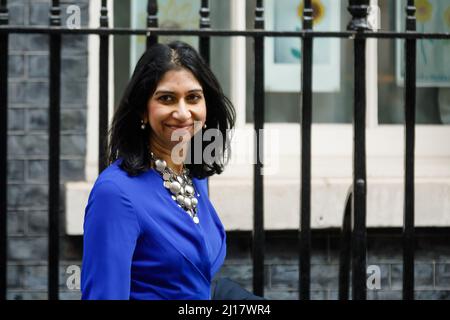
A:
(204, 127)
(142, 125)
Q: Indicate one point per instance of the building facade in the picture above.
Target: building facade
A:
(231, 192)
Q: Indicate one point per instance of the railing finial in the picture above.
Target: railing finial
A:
(152, 14)
(55, 13)
(205, 21)
(410, 16)
(359, 11)
(4, 12)
(104, 15)
(307, 15)
(152, 21)
(259, 15)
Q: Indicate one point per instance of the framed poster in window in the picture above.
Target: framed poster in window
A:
(433, 56)
(283, 55)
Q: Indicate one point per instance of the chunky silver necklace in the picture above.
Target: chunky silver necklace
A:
(179, 185)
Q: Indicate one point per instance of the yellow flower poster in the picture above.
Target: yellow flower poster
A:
(433, 56)
(283, 55)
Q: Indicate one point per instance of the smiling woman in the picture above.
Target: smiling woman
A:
(177, 104)
(150, 231)
(170, 86)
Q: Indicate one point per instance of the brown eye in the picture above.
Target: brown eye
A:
(165, 98)
(193, 98)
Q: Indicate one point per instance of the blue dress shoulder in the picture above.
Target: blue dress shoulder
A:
(139, 244)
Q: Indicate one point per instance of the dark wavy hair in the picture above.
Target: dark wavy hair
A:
(129, 142)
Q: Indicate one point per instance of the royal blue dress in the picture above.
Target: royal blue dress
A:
(138, 244)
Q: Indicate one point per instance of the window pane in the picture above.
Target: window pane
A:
(328, 107)
(432, 102)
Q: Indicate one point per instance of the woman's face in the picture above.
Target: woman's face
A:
(175, 107)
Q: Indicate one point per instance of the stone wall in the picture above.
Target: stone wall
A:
(28, 98)
(432, 263)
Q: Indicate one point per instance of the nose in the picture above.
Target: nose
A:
(182, 113)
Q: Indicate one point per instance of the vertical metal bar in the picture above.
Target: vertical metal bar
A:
(152, 21)
(410, 119)
(204, 44)
(345, 249)
(205, 24)
(4, 39)
(305, 193)
(258, 187)
(54, 153)
(103, 97)
(358, 9)
(359, 175)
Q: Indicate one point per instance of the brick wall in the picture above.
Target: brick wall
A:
(28, 96)
(432, 263)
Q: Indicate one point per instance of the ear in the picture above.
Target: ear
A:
(144, 116)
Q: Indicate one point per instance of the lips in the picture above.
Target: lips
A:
(178, 126)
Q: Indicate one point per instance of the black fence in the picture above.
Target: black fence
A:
(354, 248)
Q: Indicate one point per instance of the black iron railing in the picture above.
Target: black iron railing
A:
(103, 87)
(410, 121)
(258, 186)
(346, 247)
(359, 10)
(305, 194)
(54, 152)
(354, 231)
(4, 37)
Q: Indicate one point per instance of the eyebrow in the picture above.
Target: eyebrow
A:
(173, 92)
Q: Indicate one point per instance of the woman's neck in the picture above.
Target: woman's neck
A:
(165, 154)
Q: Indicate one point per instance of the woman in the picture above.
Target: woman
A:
(150, 231)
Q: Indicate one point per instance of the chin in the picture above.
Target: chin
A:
(180, 137)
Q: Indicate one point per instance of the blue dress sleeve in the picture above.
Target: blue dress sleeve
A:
(111, 230)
